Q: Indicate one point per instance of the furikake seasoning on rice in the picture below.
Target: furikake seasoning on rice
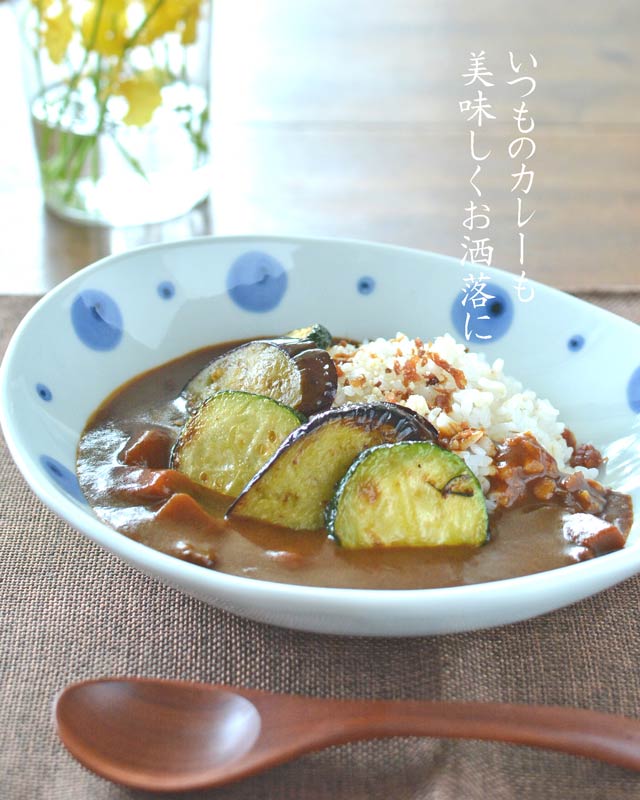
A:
(474, 406)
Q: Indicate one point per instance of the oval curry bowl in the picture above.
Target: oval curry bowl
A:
(131, 312)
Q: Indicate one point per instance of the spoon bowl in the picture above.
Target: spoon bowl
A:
(151, 735)
(164, 735)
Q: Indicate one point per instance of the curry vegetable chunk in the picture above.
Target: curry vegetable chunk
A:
(410, 494)
(314, 333)
(294, 488)
(295, 372)
(230, 437)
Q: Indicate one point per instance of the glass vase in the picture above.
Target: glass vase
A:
(119, 97)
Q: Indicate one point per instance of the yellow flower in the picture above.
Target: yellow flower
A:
(109, 37)
(57, 33)
(142, 93)
(162, 19)
(190, 29)
(168, 16)
(42, 5)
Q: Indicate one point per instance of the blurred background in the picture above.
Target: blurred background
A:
(342, 119)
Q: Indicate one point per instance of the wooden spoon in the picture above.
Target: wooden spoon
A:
(163, 735)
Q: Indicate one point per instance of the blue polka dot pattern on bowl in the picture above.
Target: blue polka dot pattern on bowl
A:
(97, 319)
(366, 284)
(64, 478)
(44, 392)
(489, 320)
(166, 290)
(576, 343)
(633, 391)
(256, 281)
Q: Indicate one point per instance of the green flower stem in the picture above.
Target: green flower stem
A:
(80, 157)
(134, 36)
(82, 151)
(95, 163)
(73, 82)
(95, 151)
(184, 73)
(65, 137)
(131, 160)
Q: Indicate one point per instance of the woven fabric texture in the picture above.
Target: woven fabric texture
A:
(70, 611)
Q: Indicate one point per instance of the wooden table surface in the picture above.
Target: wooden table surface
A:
(338, 118)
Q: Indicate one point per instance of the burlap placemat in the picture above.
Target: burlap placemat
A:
(71, 611)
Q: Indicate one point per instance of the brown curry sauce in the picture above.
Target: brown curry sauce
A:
(123, 460)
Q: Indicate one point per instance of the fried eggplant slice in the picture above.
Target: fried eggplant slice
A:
(294, 487)
(230, 437)
(317, 334)
(296, 373)
(410, 494)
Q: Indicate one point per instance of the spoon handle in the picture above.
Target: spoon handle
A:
(605, 737)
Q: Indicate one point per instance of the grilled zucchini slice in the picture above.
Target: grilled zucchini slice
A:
(296, 373)
(294, 488)
(230, 437)
(317, 334)
(412, 494)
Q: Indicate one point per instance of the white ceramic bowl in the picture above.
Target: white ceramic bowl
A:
(131, 312)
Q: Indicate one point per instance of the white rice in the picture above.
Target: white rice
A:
(490, 408)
